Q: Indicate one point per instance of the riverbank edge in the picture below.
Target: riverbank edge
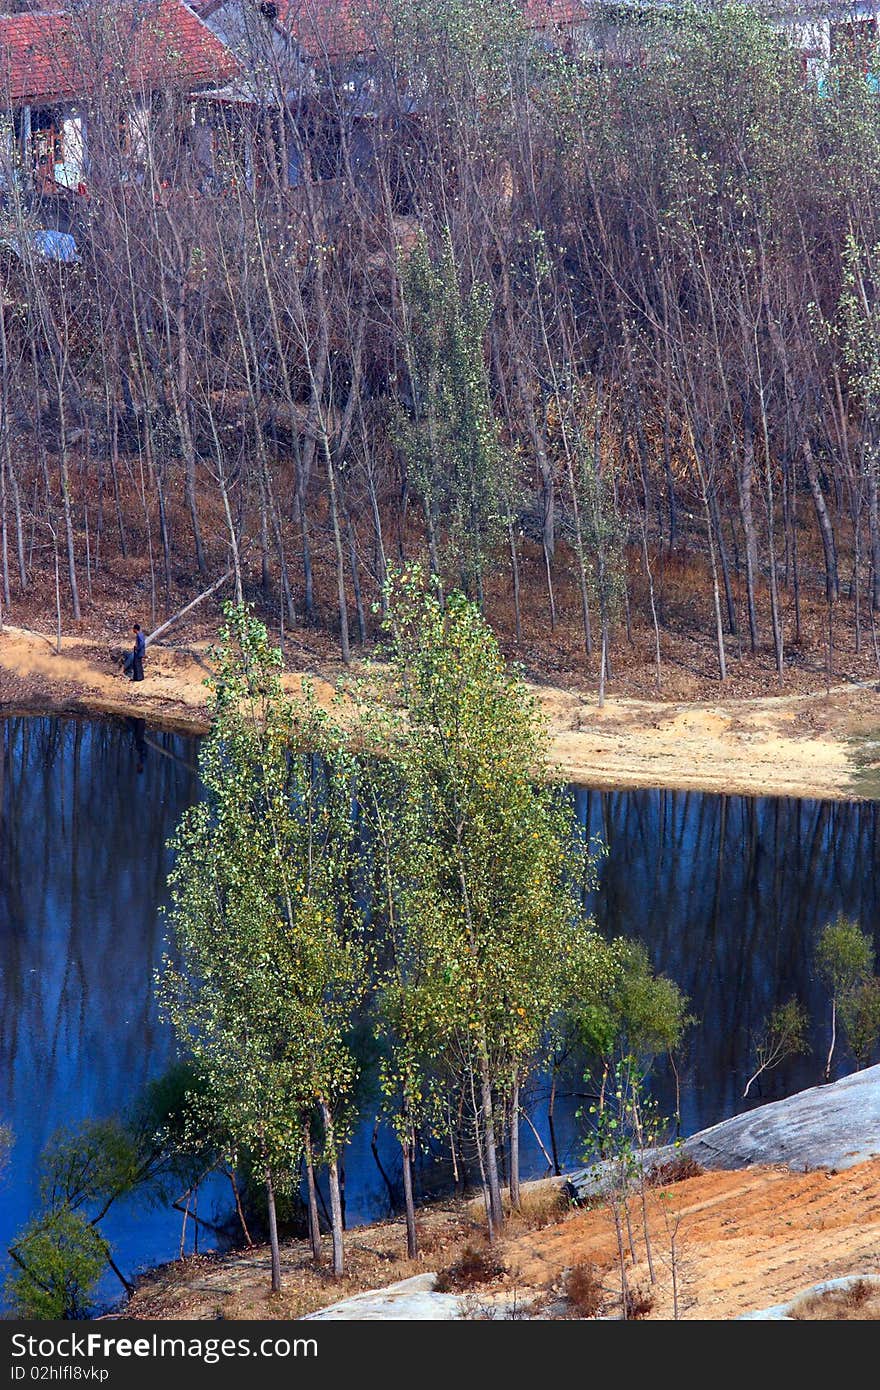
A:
(802, 745)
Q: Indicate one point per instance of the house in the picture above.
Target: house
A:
(68, 75)
(816, 29)
(244, 126)
(306, 68)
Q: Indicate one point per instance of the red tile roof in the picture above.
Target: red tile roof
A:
(555, 14)
(144, 44)
(334, 28)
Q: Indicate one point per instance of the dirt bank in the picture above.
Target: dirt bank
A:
(804, 744)
(744, 1240)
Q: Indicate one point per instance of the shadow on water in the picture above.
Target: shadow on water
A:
(729, 894)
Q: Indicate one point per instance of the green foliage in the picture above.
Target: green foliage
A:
(784, 1034)
(450, 438)
(786, 1029)
(269, 966)
(459, 48)
(860, 1017)
(641, 1014)
(495, 869)
(91, 1165)
(844, 955)
(59, 1259)
(481, 870)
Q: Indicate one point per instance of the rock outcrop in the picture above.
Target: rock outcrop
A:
(411, 1300)
(832, 1126)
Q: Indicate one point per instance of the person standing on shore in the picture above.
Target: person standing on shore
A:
(138, 654)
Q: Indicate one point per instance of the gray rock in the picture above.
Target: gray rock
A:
(411, 1299)
(782, 1312)
(834, 1126)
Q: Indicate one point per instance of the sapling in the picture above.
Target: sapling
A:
(860, 1018)
(844, 959)
(784, 1034)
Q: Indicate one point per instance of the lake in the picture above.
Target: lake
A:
(728, 893)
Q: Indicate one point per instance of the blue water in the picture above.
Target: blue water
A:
(729, 893)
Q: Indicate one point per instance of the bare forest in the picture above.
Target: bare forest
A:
(594, 335)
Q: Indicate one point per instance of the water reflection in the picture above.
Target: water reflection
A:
(728, 893)
(82, 873)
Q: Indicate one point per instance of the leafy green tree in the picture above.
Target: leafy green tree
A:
(59, 1258)
(403, 1015)
(268, 967)
(489, 872)
(85, 1170)
(844, 960)
(90, 1167)
(860, 1018)
(784, 1034)
(448, 436)
(640, 1016)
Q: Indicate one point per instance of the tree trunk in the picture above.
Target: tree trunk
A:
(314, 1220)
(745, 478)
(833, 1039)
(273, 1234)
(515, 1195)
(496, 1208)
(335, 1197)
(412, 1247)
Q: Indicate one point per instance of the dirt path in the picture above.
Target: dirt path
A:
(797, 745)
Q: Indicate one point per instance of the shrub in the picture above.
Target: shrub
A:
(677, 1169)
(476, 1265)
(583, 1290)
(60, 1258)
(639, 1302)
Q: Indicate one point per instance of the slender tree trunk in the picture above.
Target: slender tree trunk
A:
(514, 1187)
(496, 1207)
(273, 1234)
(833, 1039)
(412, 1245)
(312, 1193)
(335, 1197)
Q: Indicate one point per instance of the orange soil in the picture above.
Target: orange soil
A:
(745, 1240)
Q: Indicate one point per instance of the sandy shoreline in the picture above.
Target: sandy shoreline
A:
(812, 745)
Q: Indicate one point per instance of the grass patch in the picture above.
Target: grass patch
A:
(858, 1303)
(865, 758)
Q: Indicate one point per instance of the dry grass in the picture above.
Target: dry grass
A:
(583, 1290)
(539, 1207)
(677, 1169)
(859, 1303)
(476, 1265)
(746, 1239)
